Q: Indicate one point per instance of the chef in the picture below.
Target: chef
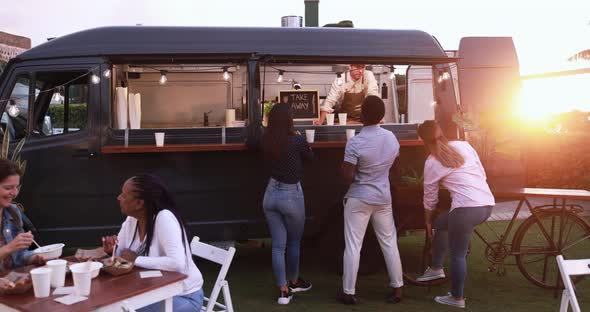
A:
(349, 93)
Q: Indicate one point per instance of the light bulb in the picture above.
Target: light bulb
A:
(280, 79)
(446, 76)
(95, 79)
(56, 97)
(440, 79)
(225, 74)
(339, 80)
(106, 73)
(13, 110)
(163, 78)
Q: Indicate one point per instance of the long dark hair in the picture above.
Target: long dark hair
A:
(8, 168)
(438, 145)
(156, 197)
(279, 132)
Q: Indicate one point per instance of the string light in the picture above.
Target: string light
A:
(106, 73)
(163, 78)
(280, 79)
(95, 79)
(225, 74)
(339, 79)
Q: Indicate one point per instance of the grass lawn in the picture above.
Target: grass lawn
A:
(252, 286)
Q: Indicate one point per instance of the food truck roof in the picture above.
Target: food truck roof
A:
(282, 44)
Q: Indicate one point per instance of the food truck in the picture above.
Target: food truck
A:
(89, 105)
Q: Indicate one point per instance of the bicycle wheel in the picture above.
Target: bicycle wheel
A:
(535, 255)
(416, 255)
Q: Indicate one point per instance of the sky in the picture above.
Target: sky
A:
(545, 34)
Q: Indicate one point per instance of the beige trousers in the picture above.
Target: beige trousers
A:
(356, 218)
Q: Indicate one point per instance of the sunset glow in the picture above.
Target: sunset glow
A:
(544, 97)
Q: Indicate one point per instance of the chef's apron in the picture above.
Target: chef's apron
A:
(351, 104)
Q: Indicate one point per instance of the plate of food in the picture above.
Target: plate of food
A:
(117, 266)
(15, 283)
(90, 254)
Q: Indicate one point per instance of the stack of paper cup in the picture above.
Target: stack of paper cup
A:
(330, 119)
(230, 116)
(41, 281)
(350, 133)
(342, 119)
(310, 135)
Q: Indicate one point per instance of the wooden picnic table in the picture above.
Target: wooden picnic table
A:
(108, 293)
(541, 193)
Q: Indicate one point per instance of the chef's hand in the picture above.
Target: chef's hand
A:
(128, 255)
(108, 243)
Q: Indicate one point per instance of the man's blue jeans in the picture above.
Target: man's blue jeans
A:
(454, 229)
(284, 208)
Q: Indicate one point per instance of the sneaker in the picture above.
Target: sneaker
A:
(392, 298)
(285, 297)
(450, 301)
(301, 285)
(347, 299)
(431, 274)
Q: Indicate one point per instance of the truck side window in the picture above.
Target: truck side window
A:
(15, 115)
(62, 103)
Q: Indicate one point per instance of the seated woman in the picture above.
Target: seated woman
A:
(153, 236)
(14, 242)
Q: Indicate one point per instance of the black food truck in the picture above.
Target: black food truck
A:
(89, 105)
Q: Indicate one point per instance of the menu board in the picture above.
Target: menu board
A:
(304, 103)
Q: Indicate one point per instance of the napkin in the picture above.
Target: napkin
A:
(64, 290)
(70, 299)
(147, 274)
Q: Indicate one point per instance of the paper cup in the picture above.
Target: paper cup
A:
(342, 119)
(58, 272)
(82, 276)
(159, 138)
(330, 119)
(310, 135)
(41, 281)
(350, 133)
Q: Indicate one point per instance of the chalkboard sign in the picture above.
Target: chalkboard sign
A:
(304, 103)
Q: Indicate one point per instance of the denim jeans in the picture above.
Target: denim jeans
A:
(454, 229)
(284, 209)
(187, 303)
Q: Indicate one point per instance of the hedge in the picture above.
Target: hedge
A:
(77, 118)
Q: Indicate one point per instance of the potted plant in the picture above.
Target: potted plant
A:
(265, 111)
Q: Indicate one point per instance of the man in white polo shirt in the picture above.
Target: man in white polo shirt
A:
(367, 160)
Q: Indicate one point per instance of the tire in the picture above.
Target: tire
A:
(538, 263)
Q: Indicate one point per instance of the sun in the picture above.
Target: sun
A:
(542, 98)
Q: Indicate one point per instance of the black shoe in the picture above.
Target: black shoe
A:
(392, 298)
(347, 299)
(301, 285)
(285, 297)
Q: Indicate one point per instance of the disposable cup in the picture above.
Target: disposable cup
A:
(330, 119)
(350, 133)
(41, 281)
(82, 276)
(58, 272)
(342, 119)
(310, 135)
(159, 138)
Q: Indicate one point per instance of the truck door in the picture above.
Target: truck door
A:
(489, 81)
(58, 118)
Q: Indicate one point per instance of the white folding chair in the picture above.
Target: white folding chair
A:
(219, 256)
(569, 268)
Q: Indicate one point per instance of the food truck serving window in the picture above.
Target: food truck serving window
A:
(178, 96)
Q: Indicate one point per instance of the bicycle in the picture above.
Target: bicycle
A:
(550, 230)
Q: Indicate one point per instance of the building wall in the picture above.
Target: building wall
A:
(12, 45)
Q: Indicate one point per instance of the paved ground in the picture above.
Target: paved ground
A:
(505, 210)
